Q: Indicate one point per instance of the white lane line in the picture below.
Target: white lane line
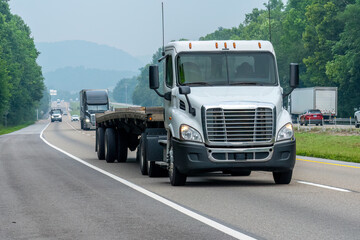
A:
(72, 127)
(207, 221)
(324, 186)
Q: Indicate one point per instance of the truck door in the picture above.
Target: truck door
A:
(168, 86)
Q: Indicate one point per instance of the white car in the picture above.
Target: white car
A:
(75, 118)
(357, 119)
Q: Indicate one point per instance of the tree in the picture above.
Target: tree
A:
(124, 89)
(344, 69)
(143, 95)
(21, 80)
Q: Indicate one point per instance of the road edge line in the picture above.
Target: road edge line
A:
(218, 226)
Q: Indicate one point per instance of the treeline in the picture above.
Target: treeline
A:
(21, 81)
(323, 36)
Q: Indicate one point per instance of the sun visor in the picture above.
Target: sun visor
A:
(96, 97)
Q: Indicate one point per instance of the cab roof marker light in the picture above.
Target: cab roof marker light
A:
(216, 45)
(190, 45)
(234, 45)
(259, 43)
(225, 44)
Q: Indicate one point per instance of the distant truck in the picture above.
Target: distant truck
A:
(322, 98)
(92, 101)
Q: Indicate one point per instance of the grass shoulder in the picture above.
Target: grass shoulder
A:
(336, 144)
(10, 129)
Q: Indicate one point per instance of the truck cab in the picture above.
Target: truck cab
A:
(223, 110)
(92, 101)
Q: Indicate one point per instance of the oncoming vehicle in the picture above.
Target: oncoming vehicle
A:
(312, 116)
(74, 118)
(92, 101)
(56, 115)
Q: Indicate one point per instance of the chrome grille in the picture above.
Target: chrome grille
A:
(253, 125)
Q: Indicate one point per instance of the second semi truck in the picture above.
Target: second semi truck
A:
(223, 111)
(92, 101)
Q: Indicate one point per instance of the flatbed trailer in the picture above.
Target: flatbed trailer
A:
(132, 128)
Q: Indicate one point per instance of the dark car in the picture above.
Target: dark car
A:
(312, 116)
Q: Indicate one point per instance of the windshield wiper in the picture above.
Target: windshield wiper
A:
(198, 83)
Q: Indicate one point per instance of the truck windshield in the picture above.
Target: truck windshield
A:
(56, 112)
(97, 107)
(225, 68)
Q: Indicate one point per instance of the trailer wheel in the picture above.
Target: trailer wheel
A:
(122, 147)
(110, 145)
(100, 143)
(176, 178)
(282, 177)
(142, 157)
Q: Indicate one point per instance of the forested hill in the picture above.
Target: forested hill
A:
(58, 55)
(21, 81)
(323, 36)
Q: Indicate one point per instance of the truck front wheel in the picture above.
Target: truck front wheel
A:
(176, 178)
(100, 143)
(282, 177)
(110, 145)
(142, 158)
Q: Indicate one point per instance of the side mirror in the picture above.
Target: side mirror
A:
(154, 77)
(184, 90)
(294, 75)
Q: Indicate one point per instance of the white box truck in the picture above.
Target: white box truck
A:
(322, 98)
(223, 111)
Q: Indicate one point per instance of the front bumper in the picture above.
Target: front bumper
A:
(56, 119)
(191, 158)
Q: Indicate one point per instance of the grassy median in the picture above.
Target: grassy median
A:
(341, 145)
(6, 130)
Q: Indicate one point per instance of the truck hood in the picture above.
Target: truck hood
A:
(200, 96)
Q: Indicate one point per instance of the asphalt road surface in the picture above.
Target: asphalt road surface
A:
(46, 194)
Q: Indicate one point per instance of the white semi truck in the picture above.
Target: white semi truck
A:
(223, 111)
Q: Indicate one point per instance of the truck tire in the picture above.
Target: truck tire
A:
(142, 158)
(100, 143)
(122, 147)
(357, 124)
(282, 177)
(110, 145)
(176, 178)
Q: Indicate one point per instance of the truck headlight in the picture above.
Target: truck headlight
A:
(286, 132)
(190, 134)
(87, 120)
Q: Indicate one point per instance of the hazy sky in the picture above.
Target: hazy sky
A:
(133, 25)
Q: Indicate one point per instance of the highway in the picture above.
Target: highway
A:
(66, 193)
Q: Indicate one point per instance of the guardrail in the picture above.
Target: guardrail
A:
(335, 124)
